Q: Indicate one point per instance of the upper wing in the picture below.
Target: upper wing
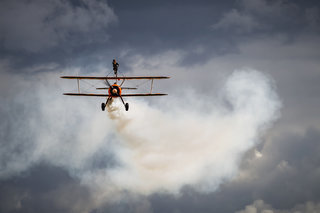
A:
(114, 78)
(106, 95)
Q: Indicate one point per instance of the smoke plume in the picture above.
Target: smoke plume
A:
(158, 147)
(162, 149)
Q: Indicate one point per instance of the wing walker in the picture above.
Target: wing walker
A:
(115, 90)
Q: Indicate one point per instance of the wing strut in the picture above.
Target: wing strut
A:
(78, 86)
(151, 86)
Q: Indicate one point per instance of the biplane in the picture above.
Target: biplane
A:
(115, 89)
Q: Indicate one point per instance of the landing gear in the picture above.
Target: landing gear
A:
(103, 106)
(126, 105)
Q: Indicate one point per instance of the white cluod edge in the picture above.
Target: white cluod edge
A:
(162, 149)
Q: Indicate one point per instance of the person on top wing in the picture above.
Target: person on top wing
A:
(115, 66)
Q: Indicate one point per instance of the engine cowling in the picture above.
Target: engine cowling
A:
(114, 90)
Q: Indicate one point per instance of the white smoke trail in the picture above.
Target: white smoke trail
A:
(164, 150)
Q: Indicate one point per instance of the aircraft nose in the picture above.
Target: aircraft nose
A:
(114, 91)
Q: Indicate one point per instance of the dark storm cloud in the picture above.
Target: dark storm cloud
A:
(36, 32)
(208, 29)
(37, 25)
(151, 28)
(44, 188)
(268, 17)
(82, 32)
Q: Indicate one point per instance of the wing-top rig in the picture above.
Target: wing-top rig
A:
(115, 90)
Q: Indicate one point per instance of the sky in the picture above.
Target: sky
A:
(238, 132)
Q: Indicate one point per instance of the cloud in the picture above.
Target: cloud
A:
(277, 8)
(262, 16)
(38, 25)
(259, 206)
(45, 188)
(313, 18)
(237, 20)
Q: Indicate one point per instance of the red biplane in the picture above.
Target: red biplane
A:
(115, 90)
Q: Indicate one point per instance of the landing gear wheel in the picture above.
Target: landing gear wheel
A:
(103, 106)
(127, 106)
